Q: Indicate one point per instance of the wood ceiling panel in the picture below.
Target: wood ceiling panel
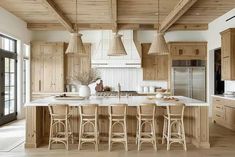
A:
(205, 11)
(89, 11)
(28, 10)
(143, 11)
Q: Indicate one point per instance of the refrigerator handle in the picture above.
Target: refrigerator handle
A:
(190, 83)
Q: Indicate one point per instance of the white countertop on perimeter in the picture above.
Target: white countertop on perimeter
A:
(224, 97)
(105, 101)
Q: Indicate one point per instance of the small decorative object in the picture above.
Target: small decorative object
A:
(99, 87)
(86, 78)
(159, 95)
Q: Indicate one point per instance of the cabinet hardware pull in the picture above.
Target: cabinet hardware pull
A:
(197, 51)
(218, 107)
(180, 51)
(39, 82)
(217, 100)
(218, 115)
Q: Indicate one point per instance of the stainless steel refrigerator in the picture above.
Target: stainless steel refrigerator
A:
(189, 81)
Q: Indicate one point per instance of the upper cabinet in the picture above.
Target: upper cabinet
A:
(76, 64)
(47, 66)
(228, 54)
(154, 67)
(188, 50)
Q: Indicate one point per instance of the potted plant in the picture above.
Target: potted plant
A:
(85, 78)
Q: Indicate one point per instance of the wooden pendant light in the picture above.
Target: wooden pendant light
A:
(158, 46)
(75, 44)
(116, 47)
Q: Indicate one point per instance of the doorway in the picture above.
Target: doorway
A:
(8, 75)
(219, 84)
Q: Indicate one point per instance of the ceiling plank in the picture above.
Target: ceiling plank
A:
(108, 26)
(175, 14)
(51, 6)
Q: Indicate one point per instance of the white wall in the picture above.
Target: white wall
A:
(12, 26)
(214, 42)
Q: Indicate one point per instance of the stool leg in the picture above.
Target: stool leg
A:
(137, 130)
(168, 134)
(164, 130)
(139, 135)
(110, 134)
(154, 135)
(66, 134)
(80, 135)
(125, 131)
(183, 132)
(96, 136)
(50, 136)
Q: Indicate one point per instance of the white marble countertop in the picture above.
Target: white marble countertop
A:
(105, 101)
(224, 97)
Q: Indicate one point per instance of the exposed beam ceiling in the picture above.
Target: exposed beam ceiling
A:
(176, 13)
(51, 6)
(120, 26)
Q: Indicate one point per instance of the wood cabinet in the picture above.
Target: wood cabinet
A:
(76, 64)
(188, 50)
(224, 112)
(154, 67)
(228, 54)
(47, 67)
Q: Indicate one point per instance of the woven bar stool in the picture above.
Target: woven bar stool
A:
(173, 128)
(146, 116)
(88, 117)
(60, 128)
(117, 117)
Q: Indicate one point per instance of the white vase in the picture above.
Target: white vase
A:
(84, 91)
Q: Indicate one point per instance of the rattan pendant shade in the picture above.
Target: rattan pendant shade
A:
(116, 47)
(159, 46)
(75, 44)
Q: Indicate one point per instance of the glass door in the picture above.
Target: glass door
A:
(8, 72)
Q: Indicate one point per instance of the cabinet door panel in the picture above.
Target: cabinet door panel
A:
(225, 65)
(162, 67)
(230, 116)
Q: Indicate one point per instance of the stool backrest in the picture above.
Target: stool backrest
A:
(146, 110)
(177, 109)
(58, 109)
(88, 110)
(117, 109)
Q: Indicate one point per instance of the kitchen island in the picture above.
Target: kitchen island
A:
(38, 118)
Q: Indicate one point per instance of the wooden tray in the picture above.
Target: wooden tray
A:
(69, 98)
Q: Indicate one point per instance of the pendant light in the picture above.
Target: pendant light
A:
(158, 46)
(75, 43)
(116, 47)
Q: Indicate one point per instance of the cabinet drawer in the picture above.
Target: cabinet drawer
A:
(219, 115)
(219, 107)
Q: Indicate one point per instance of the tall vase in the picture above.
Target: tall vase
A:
(84, 91)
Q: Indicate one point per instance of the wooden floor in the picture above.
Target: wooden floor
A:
(222, 145)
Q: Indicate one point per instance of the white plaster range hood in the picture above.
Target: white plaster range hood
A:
(100, 59)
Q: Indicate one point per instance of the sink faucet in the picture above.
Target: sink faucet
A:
(119, 90)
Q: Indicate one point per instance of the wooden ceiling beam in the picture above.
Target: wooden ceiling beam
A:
(51, 6)
(114, 15)
(175, 14)
(109, 26)
(188, 27)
